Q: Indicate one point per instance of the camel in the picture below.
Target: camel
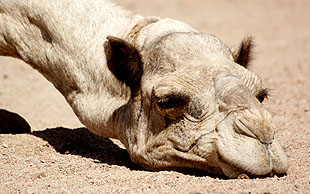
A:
(175, 97)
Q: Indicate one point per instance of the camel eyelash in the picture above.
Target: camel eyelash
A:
(262, 94)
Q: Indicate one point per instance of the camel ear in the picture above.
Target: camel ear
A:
(124, 61)
(242, 53)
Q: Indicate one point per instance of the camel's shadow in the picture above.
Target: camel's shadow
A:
(82, 142)
(79, 141)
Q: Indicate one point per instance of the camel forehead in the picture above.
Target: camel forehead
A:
(191, 45)
(183, 51)
(194, 79)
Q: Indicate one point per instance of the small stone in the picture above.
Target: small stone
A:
(5, 145)
(194, 192)
(285, 145)
(38, 175)
(243, 176)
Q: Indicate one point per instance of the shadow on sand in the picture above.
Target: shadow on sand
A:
(79, 141)
(82, 142)
(13, 123)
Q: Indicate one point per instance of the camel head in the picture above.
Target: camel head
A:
(194, 104)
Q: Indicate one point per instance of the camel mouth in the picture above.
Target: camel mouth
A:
(232, 170)
(242, 154)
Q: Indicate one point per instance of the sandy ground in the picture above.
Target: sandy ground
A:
(68, 159)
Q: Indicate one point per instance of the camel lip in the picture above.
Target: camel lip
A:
(242, 154)
(233, 171)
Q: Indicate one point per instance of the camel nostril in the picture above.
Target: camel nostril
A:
(254, 127)
(241, 128)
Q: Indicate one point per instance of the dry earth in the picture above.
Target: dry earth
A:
(68, 159)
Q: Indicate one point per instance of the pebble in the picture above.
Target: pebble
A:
(285, 145)
(243, 176)
(5, 145)
(38, 175)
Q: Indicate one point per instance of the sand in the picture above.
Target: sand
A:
(60, 156)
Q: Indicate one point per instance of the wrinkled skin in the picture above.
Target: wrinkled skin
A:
(176, 98)
(200, 109)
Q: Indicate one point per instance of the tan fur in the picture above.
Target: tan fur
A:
(173, 96)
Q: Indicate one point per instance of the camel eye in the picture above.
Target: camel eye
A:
(172, 102)
(167, 103)
(173, 105)
(262, 95)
